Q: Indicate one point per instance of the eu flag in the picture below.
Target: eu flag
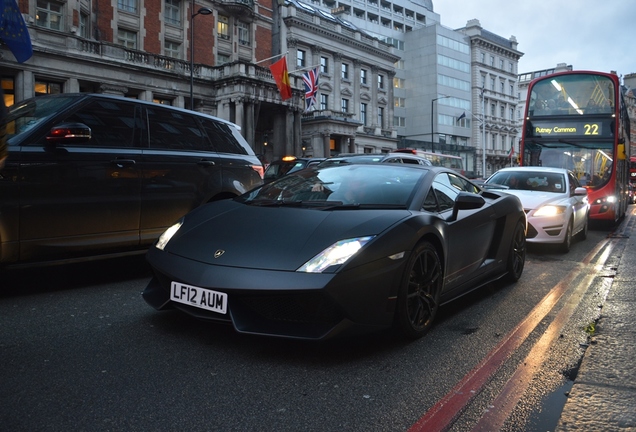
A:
(13, 31)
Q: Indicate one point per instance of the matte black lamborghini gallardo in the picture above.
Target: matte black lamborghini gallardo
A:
(338, 250)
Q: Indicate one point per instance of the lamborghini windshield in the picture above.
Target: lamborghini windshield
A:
(359, 184)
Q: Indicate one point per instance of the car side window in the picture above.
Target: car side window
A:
(112, 123)
(222, 137)
(445, 191)
(574, 183)
(430, 203)
(175, 130)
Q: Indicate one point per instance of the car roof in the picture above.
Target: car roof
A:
(533, 169)
(373, 157)
(80, 96)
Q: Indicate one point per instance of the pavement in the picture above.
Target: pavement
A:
(603, 397)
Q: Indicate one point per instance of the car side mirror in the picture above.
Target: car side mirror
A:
(580, 191)
(467, 201)
(69, 133)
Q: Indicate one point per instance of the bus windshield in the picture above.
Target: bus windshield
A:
(572, 95)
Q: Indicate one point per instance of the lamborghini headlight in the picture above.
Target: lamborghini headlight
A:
(167, 235)
(549, 211)
(337, 253)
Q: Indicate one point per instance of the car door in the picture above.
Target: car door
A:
(80, 196)
(469, 236)
(180, 169)
(579, 203)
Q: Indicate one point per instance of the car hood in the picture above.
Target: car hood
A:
(534, 199)
(274, 238)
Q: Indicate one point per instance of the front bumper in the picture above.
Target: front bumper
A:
(281, 303)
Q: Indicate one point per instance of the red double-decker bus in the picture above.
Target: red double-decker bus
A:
(578, 120)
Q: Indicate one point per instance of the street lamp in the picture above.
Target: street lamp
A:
(202, 11)
(433, 124)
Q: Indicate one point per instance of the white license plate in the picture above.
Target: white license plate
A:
(199, 297)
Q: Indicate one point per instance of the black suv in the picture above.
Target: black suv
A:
(98, 175)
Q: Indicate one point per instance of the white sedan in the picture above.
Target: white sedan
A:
(555, 203)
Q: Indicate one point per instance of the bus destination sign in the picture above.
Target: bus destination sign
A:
(557, 129)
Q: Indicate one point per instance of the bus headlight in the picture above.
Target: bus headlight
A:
(605, 200)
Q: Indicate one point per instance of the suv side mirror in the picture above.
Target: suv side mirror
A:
(69, 133)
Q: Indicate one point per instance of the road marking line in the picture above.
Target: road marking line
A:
(448, 409)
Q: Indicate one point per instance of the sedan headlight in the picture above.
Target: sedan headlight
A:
(337, 253)
(167, 235)
(549, 211)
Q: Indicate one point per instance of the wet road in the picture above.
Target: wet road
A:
(80, 350)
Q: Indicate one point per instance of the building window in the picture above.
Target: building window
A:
(345, 105)
(345, 71)
(503, 86)
(398, 82)
(492, 61)
(43, 88)
(512, 113)
(324, 65)
(363, 76)
(482, 57)
(172, 49)
(173, 12)
(493, 109)
(399, 121)
(127, 5)
(492, 84)
(501, 64)
(381, 117)
(162, 101)
(324, 101)
(49, 15)
(301, 58)
(84, 25)
(399, 102)
(502, 111)
(244, 33)
(381, 82)
(127, 38)
(222, 59)
(363, 113)
(223, 27)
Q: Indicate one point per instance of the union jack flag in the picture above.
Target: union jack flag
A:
(310, 78)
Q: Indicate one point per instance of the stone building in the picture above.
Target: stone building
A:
(497, 128)
(353, 112)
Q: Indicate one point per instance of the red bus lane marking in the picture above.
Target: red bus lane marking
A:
(448, 409)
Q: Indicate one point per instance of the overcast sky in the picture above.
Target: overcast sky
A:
(587, 34)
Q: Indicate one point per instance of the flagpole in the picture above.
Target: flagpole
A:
(269, 58)
(305, 68)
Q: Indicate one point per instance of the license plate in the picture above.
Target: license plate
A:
(199, 297)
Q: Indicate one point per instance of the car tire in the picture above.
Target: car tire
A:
(567, 240)
(517, 254)
(419, 294)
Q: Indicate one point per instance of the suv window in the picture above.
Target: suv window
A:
(112, 123)
(222, 137)
(175, 130)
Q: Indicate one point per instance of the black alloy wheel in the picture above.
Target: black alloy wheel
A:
(517, 255)
(418, 298)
